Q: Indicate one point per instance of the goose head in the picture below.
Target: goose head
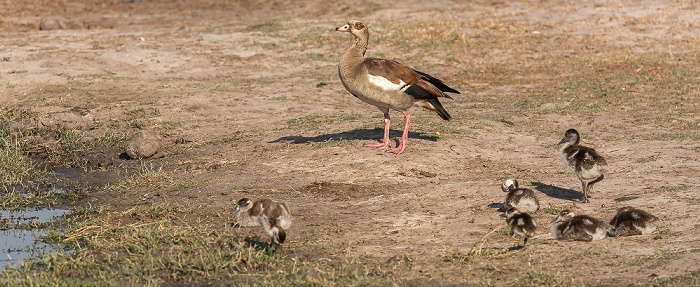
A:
(571, 136)
(355, 27)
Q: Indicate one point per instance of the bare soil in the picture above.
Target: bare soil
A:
(247, 97)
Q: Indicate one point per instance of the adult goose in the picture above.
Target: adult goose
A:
(584, 162)
(388, 85)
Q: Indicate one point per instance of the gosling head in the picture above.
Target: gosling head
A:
(511, 212)
(243, 204)
(509, 184)
(571, 136)
(564, 215)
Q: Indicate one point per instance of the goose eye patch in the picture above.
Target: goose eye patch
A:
(359, 25)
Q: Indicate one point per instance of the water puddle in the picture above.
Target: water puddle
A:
(20, 232)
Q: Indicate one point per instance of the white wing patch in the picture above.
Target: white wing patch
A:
(386, 84)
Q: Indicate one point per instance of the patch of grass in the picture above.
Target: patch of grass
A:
(653, 260)
(669, 232)
(333, 143)
(539, 277)
(113, 140)
(314, 122)
(15, 166)
(473, 255)
(691, 278)
(673, 136)
(648, 159)
(671, 189)
(145, 175)
(266, 28)
(153, 245)
(691, 200)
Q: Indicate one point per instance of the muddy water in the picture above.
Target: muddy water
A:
(24, 243)
(18, 244)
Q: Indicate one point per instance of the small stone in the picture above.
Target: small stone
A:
(143, 144)
(52, 23)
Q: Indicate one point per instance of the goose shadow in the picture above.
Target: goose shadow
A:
(557, 192)
(359, 134)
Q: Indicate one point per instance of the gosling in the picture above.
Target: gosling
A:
(274, 217)
(631, 221)
(520, 223)
(523, 199)
(584, 162)
(568, 226)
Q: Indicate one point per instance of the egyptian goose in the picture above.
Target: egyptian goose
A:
(632, 221)
(387, 84)
(568, 226)
(274, 217)
(523, 199)
(584, 162)
(520, 223)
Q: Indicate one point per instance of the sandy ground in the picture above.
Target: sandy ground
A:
(247, 97)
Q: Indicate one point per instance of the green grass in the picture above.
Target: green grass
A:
(652, 261)
(15, 166)
(315, 122)
(671, 189)
(109, 248)
(22, 200)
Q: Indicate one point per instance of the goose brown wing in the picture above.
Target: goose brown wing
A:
(417, 84)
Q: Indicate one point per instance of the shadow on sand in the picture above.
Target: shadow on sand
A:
(362, 134)
(557, 192)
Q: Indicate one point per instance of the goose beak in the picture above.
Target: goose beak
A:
(345, 28)
(562, 141)
(554, 220)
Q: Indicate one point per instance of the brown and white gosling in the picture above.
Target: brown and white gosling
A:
(568, 226)
(274, 217)
(520, 223)
(523, 199)
(388, 85)
(632, 221)
(584, 162)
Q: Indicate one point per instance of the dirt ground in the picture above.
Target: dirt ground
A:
(247, 98)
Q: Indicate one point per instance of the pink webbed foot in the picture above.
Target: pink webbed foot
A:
(379, 145)
(396, 150)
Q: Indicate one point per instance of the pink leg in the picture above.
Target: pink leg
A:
(385, 141)
(404, 137)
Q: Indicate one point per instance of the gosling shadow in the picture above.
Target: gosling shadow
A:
(557, 192)
(259, 244)
(497, 205)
